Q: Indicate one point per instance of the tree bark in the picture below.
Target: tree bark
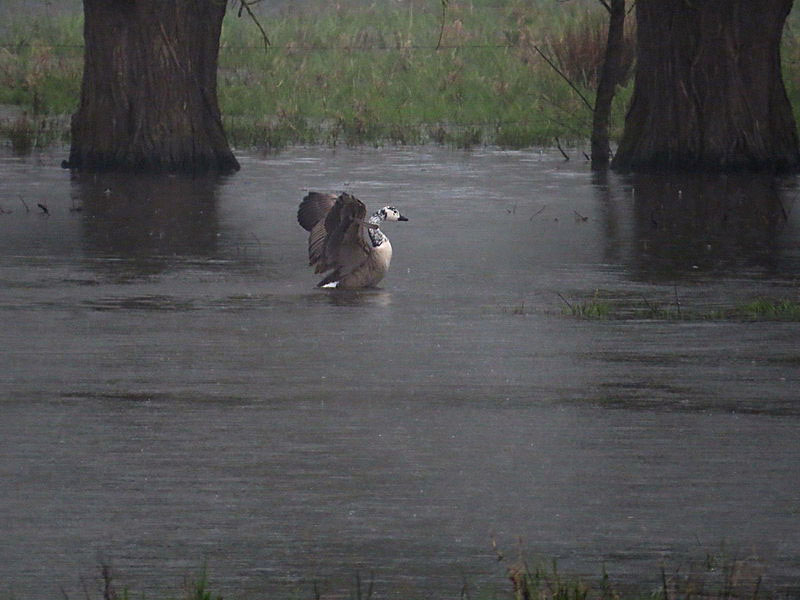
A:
(708, 93)
(610, 75)
(149, 90)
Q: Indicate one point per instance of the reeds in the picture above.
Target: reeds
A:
(194, 587)
(25, 133)
(714, 576)
(731, 579)
(717, 576)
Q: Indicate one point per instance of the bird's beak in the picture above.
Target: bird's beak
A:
(402, 218)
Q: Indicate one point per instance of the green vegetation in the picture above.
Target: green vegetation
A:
(194, 588)
(374, 75)
(588, 309)
(40, 75)
(364, 73)
(718, 578)
(357, 73)
(607, 306)
(764, 309)
(714, 576)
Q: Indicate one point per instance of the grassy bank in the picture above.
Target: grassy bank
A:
(355, 73)
(362, 73)
(375, 75)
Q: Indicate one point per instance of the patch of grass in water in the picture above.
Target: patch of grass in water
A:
(194, 588)
(764, 309)
(589, 309)
(716, 576)
(760, 309)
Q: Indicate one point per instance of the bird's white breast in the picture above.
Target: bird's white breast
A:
(382, 256)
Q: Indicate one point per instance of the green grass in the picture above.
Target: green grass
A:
(717, 578)
(765, 309)
(362, 74)
(604, 305)
(370, 73)
(194, 588)
(595, 308)
(713, 576)
(41, 63)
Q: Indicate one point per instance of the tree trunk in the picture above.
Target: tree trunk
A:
(607, 84)
(149, 91)
(708, 92)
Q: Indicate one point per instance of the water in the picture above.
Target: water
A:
(175, 392)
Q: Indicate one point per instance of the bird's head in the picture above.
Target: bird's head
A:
(390, 213)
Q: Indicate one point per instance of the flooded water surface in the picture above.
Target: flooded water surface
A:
(177, 393)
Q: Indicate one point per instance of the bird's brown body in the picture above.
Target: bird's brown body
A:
(353, 250)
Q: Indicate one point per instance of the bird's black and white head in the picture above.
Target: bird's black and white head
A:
(390, 213)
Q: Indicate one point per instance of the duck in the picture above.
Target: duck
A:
(343, 242)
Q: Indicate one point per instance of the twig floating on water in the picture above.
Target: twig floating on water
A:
(538, 212)
(650, 307)
(564, 300)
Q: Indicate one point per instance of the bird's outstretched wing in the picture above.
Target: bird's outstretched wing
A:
(337, 240)
(314, 208)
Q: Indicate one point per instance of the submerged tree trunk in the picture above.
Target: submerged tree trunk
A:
(610, 76)
(708, 93)
(149, 91)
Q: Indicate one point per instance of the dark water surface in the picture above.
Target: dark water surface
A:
(175, 392)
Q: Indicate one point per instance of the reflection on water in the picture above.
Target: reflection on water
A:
(670, 226)
(145, 221)
(708, 222)
(176, 392)
(375, 297)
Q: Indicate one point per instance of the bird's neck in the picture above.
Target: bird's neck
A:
(376, 236)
